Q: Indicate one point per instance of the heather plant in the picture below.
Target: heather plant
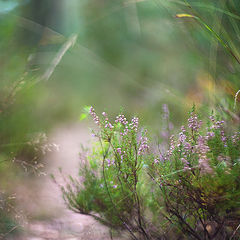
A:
(198, 180)
(189, 191)
(112, 177)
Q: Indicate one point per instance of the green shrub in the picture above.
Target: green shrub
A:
(190, 190)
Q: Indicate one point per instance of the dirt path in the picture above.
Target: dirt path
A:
(48, 217)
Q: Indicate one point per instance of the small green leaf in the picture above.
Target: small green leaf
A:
(86, 109)
(83, 116)
(85, 112)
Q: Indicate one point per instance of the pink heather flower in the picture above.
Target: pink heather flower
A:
(172, 146)
(186, 164)
(216, 124)
(194, 123)
(109, 162)
(219, 124)
(121, 119)
(183, 129)
(125, 131)
(134, 124)
(202, 150)
(143, 145)
(182, 137)
(184, 161)
(108, 125)
(236, 137)
(94, 115)
(119, 150)
(210, 135)
(156, 161)
(187, 149)
(223, 138)
(212, 118)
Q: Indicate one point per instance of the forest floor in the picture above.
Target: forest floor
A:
(41, 201)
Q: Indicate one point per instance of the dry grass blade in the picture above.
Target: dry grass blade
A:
(69, 43)
(235, 99)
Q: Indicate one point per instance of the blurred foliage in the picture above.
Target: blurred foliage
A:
(133, 54)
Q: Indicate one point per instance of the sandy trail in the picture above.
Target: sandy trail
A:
(49, 218)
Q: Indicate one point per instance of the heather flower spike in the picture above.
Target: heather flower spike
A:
(194, 123)
(202, 150)
(94, 115)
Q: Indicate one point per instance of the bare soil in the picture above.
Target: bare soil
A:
(40, 199)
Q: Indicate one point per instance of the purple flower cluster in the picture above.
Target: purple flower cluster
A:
(182, 137)
(156, 161)
(125, 131)
(190, 148)
(113, 185)
(187, 150)
(184, 143)
(224, 138)
(172, 146)
(94, 115)
(110, 162)
(202, 149)
(236, 138)
(121, 153)
(119, 150)
(121, 119)
(194, 123)
(186, 164)
(143, 145)
(217, 125)
(210, 134)
(106, 122)
(108, 125)
(183, 146)
(134, 124)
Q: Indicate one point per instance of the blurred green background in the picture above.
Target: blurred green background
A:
(56, 56)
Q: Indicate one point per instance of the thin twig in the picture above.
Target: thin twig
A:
(234, 232)
(11, 230)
